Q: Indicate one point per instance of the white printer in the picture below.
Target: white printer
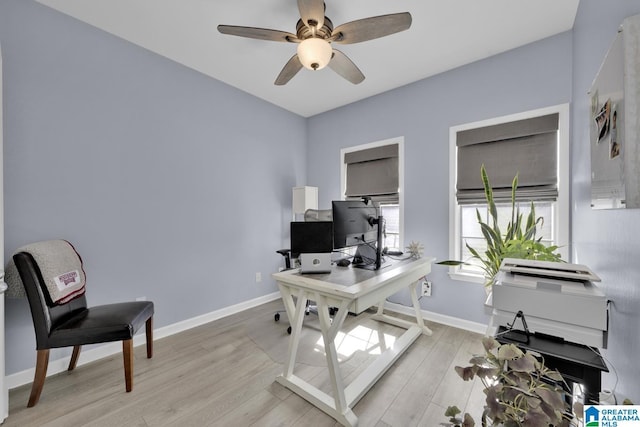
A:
(557, 299)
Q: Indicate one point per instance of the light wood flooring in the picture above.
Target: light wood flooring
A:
(222, 374)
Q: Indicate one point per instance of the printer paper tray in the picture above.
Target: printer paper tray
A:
(573, 333)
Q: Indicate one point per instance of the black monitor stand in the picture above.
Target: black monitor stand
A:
(369, 252)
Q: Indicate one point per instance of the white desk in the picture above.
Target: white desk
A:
(350, 290)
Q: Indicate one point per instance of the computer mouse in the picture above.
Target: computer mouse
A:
(343, 262)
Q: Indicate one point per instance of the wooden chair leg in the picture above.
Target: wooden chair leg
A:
(74, 358)
(127, 353)
(149, 332)
(38, 380)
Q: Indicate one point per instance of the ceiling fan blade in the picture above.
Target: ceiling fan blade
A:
(312, 11)
(258, 33)
(290, 69)
(372, 28)
(341, 64)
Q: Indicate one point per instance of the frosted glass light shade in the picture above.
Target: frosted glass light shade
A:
(314, 53)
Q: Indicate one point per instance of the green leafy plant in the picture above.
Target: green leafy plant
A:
(517, 241)
(520, 390)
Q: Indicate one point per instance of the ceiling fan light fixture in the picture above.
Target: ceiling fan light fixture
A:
(314, 53)
(315, 35)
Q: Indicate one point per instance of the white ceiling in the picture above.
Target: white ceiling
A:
(444, 35)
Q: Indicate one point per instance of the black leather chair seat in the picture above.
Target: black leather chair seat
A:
(105, 323)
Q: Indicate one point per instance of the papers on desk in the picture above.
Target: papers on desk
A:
(558, 299)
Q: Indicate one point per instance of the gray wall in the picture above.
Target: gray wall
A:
(607, 241)
(534, 76)
(171, 185)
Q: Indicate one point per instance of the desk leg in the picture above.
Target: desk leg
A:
(295, 313)
(336, 405)
(413, 289)
(330, 330)
(379, 316)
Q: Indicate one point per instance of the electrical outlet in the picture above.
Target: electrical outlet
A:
(426, 288)
(258, 277)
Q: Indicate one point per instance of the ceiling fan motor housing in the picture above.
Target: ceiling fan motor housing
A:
(304, 32)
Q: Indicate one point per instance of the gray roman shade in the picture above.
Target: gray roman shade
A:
(527, 148)
(373, 172)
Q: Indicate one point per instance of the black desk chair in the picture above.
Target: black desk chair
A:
(310, 215)
(286, 253)
(74, 324)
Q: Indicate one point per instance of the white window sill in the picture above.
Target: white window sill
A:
(467, 277)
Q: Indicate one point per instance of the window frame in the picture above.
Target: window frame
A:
(561, 213)
(343, 175)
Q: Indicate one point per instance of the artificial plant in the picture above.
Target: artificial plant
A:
(521, 391)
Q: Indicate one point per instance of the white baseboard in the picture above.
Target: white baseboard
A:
(60, 365)
(443, 319)
(210, 317)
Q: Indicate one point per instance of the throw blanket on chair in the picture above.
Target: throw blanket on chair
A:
(61, 269)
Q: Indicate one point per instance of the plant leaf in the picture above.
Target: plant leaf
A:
(509, 352)
(489, 373)
(551, 397)
(489, 343)
(478, 360)
(536, 418)
(514, 186)
(452, 411)
(527, 363)
(452, 263)
(494, 409)
(468, 421)
(466, 373)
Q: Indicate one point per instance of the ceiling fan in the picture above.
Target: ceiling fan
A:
(314, 35)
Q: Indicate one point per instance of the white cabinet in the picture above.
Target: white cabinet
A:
(303, 198)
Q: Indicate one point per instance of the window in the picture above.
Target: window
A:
(391, 214)
(376, 170)
(536, 144)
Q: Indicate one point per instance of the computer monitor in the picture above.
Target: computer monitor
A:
(358, 223)
(311, 237)
(352, 224)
